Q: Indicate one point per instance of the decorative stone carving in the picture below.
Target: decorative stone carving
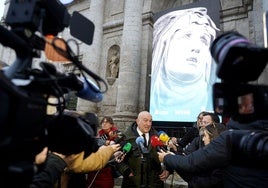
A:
(113, 61)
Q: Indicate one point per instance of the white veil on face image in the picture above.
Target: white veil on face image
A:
(182, 70)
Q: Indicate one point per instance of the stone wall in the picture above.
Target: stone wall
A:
(128, 25)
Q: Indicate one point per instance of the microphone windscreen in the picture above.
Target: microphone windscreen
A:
(127, 147)
(139, 140)
(160, 132)
(164, 137)
(90, 91)
(155, 141)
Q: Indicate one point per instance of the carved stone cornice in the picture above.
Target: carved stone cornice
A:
(234, 10)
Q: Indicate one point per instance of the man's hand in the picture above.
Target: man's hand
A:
(41, 157)
(119, 156)
(116, 147)
(164, 175)
(162, 154)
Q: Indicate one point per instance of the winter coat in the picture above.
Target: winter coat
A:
(49, 174)
(234, 151)
(186, 139)
(82, 165)
(194, 145)
(146, 167)
(102, 178)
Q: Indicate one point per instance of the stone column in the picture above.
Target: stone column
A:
(93, 56)
(130, 62)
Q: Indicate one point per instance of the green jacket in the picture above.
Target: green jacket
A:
(135, 160)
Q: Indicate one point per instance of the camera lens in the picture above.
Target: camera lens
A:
(223, 43)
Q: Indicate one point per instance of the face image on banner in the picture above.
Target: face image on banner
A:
(183, 71)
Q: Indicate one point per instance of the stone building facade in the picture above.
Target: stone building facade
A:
(125, 28)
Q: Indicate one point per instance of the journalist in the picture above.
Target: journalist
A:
(239, 151)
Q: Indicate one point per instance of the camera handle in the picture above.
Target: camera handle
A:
(23, 51)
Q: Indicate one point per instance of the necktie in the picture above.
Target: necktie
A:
(145, 140)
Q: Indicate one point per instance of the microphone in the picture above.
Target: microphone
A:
(163, 137)
(85, 88)
(140, 142)
(127, 147)
(89, 91)
(157, 143)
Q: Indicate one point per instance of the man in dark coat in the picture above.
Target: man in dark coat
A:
(241, 153)
(141, 166)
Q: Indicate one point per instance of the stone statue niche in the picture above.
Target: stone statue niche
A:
(113, 60)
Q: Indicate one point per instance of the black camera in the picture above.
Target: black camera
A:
(239, 62)
(25, 126)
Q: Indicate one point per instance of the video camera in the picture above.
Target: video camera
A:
(25, 126)
(240, 62)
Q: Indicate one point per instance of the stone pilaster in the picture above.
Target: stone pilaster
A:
(92, 57)
(129, 72)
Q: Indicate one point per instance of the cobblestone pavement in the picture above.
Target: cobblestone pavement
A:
(173, 181)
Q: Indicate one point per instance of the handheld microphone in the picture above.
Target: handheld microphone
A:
(140, 142)
(157, 143)
(127, 147)
(89, 91)
(163, 137)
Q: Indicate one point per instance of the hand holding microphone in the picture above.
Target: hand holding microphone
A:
(157, 143)
(166, 139)
(127, 147)
(120, 155)
(163, 137)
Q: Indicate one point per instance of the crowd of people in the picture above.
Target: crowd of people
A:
(206, 164)
(202, 158)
